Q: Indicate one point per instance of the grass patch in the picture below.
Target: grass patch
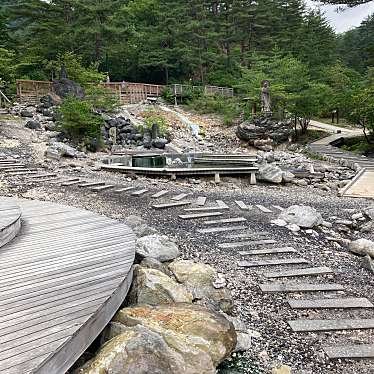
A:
(359, 146)
(310, 136)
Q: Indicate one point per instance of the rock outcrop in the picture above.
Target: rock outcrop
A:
(157, 246)
(302, 216)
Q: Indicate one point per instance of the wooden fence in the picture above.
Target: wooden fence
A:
(127, 92)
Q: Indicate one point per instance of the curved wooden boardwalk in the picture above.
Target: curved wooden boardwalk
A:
(61, 281)
(10, 221)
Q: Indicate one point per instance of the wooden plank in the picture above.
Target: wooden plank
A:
(159, 194)
(242, 205)
(263, 209)
(249, 235)
(214, 230)
(322, 270)
(268, 251)
(344, 303)
(70, 182)
(171, 205)
(359, 351)
(299, 287)
(206, 209)
(201, 200)
(227, 220)
(284, 261)
(278, 207)
(315, 325)
(139, 192)
(102, 188)
(200, 215)
(246, 243)
(179, 197)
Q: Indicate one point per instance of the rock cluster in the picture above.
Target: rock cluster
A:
(129, 134)
(263, 132)
(175, 320)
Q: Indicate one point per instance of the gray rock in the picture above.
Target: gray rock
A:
(362, 247)
(367, 227)
(157, 246)
(370, 212)
(34, 125)
(367, 263)
(287, 177)
(26, 113)
(139, 226)
(159, 143)
(279, 222)
(152, 263)
(301, 215)
(65, 87)
(271, 174)
(65, 150)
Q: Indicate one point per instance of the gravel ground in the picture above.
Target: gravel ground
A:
(273, 343)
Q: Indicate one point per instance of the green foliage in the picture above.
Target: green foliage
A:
(78, 120)
(101, 99)
(168, 96)
(152, 118)
(75, 69)
(7, 69)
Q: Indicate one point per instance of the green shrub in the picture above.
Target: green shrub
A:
(102, 99)
(159, 120)
(79, 122)
(167, 95)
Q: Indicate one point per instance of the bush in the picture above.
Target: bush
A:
(79, 122)
(151, 118)
(102, 99)
(167, 95)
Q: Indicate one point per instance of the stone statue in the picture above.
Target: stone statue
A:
(63, 72)
(265, 97)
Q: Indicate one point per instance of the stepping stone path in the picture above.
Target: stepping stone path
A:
(125, 189)
(247, 235)
(299, 272)
(314, 325)
(71, 182)
(102, 188)
(91, 184)
(350, 351)
(263, 209)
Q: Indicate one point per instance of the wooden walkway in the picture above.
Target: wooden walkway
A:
(61, 281)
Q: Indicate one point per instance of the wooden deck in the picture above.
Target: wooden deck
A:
(61, 281)
(10, 221)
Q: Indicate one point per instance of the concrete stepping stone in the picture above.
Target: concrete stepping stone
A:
(71, 182)
(263, 209)
(248, 235)
(221, 229)
(315, 325)
(139, 192)
(102, 188)
(246, 243)
(171, 205)
(179, 197)
(23, 172)
(159, 194)
(91, 184)
(278, 207)
(283, 261)
(300, 272)
(350, 351)
(299, 287)
(227, 220)
(125, 189)
(206, 209)
(344, 303)
(200, 201)
(42, 176)
(222, 204)
(242, 205)
(268, 251)
(200, 215)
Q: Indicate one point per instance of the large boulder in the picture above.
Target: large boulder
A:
(65, 87)
(270, 173)
(50, 100)
(157, 246)
(362, 247)
(201, 279)
(26, 113)
(186, 327)
(139, 350)
(302, 216)
(33, 125)
(65, 150)
(153, 287)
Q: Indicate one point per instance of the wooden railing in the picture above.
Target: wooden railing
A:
(127, 92)
(4, 101)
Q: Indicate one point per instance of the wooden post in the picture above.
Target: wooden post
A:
(217, 178)
(253, 179)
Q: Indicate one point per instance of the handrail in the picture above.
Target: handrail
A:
(3, 95)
